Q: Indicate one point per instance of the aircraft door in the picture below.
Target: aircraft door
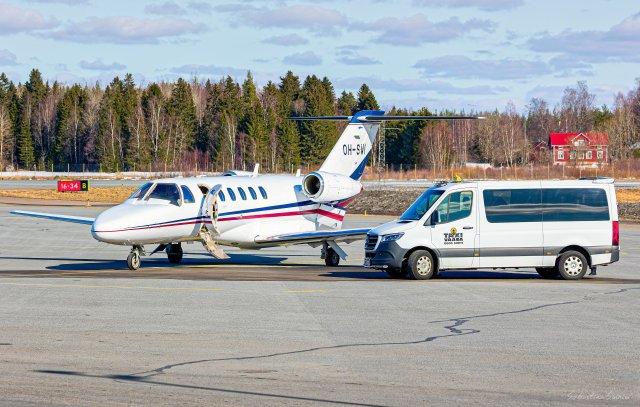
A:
(210, 210)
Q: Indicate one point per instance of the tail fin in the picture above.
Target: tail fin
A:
(351, 153)
(352, 150)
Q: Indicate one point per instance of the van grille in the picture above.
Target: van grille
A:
(371, 241)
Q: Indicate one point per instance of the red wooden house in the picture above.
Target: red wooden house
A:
(579, 148)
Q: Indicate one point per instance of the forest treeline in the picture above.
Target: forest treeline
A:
(230, 125)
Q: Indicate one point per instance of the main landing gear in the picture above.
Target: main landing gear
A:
(173, 250)
(332, 253)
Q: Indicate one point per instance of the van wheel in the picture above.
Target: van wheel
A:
(396, 273)
(572, 265)
(547, 272)
(420, 265)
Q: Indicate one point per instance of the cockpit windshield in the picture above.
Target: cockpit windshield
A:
(422, 204)
(141, 192)
(165, 192)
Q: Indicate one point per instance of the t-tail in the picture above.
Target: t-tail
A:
(338, 180)
(351, 153)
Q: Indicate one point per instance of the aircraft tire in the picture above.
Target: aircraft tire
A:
(133, 260)
(174, 253)
(547, 272)
(396, 273)
(332, 259)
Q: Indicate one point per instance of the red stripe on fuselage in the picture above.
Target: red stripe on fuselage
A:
(267, 215)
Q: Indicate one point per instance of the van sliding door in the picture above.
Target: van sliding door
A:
(511, 228)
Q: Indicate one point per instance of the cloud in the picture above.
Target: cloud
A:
(417, 29)
(7, 58)
(98, 65)
(308, 58)
(459, 66)
(486, 5)
(568, 66)
(168, 8)
(620, 43)
(286, 40)
(349, 56)
(418, 85)
(15, 20)
(302, 17)
(195, 69)
(69, 2)
(201, 7)
(125, 30)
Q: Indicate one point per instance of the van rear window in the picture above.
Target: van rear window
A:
(547, 204)
(574, 204)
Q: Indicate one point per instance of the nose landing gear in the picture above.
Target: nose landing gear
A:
(133, 260)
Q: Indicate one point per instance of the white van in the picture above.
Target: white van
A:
(560, 228)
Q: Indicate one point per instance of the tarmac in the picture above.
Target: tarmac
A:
(277, 327)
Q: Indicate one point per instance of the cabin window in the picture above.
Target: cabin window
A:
(221, 195)
(232, 194)
(589, 155)
(560, 155)
(187, 196)
(142, 191)
(253, 193)
(166, 192)
(263, 192)
(242, 194)
(600, 155)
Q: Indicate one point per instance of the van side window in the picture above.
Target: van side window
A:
(187, 195)
(253, 193)
(574, 204)
(242, 194)
(221, 195)
(455, 207)
(232, 194)
(512, 205)
(263, 192)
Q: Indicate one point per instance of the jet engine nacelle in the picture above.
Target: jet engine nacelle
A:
(322, 186)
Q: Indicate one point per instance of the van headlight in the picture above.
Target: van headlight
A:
(392, 237)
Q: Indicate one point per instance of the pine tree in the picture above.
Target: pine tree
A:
(347, 104)
(288, 132)
(366, 99)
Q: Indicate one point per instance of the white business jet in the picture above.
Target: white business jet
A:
(247, 210)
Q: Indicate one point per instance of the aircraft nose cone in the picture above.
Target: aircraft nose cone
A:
(110, 225)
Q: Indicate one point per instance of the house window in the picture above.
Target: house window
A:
(560, 155)
(600, 155)
(572, 155)
(581, 155)
(578, 143)
(589, 155)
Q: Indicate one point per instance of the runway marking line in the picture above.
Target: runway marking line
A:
(126, 287)
(306, 291)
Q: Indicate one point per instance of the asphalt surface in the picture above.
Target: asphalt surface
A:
(276, 327)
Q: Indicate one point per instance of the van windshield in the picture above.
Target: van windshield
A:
(422, 204)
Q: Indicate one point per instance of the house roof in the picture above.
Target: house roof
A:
(566, 139)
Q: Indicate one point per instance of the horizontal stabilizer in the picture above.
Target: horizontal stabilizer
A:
(52, 216)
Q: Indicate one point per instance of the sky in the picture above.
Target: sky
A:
(441, 54)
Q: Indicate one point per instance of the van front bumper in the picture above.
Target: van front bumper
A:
(388, 255)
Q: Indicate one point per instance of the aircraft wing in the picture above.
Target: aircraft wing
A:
(319, 236)
(52, 216)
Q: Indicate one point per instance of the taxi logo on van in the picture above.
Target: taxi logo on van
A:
(453, 237)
